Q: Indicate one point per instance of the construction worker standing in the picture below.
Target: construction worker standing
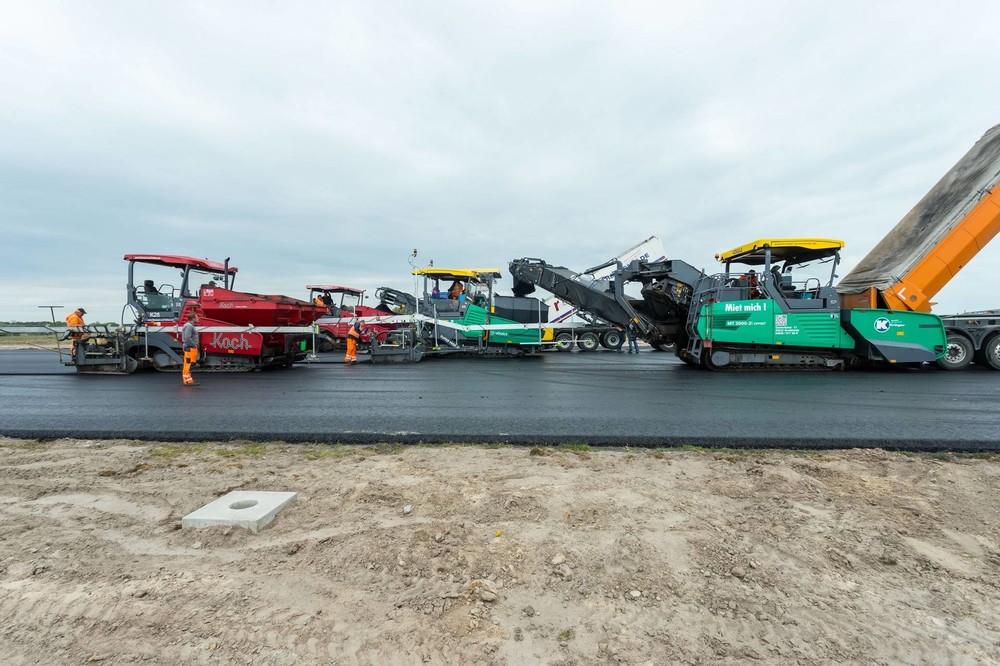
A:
(353, 338)
(190, 339)
(632, 332)
(75, 319)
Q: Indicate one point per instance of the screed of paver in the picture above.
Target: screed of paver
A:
(252, 509)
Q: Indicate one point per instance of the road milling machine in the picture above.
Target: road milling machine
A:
(239, 331)
(776, 304)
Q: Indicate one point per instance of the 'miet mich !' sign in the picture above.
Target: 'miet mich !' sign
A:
(746, 307)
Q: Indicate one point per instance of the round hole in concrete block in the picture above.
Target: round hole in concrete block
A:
(243, 504)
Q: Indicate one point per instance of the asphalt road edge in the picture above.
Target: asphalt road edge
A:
(409, 438)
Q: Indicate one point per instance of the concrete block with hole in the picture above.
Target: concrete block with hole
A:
(252, 509)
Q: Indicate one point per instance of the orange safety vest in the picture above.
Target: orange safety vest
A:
(73, 319)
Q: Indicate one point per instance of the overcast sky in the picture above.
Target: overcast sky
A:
(319, 142)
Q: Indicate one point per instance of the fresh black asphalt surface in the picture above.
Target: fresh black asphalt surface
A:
(597, 398)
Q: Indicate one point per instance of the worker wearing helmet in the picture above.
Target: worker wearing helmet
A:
(353, 338)
(632, 333)
(75, 320)
(189, 339)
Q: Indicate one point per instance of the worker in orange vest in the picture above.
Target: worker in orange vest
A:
(75, 319)
(353, 338)
(755, 291)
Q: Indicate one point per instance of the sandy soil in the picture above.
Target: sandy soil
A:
(506, 556)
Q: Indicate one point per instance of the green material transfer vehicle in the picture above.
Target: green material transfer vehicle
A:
(780, 310)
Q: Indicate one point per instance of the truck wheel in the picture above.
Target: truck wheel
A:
(564, 342)
(588, 342)
(958, 353)
(612, 340)
(991, 352)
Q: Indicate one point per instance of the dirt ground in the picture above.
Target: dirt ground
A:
(463, 555)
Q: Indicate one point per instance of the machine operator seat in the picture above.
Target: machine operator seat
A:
(785, 285)
(152, 298)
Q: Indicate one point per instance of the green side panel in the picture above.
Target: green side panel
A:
(529, 336)
(746, 322)
(475, 315)
(898, 336)
(761, 322)
(811, 329)
(877, 335)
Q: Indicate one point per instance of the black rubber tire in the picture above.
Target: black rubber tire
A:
(662, 347)
(325, 343)
(958, 353)
(613, 340)
(564, 342)
(163, 363)
(991, 352)
(588, 341)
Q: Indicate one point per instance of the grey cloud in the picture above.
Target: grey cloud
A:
(320, 142)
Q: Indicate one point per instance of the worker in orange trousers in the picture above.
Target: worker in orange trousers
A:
(353, 338)
(190, 340)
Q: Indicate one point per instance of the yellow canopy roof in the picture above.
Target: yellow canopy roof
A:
(460, 273)
(804, 249)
